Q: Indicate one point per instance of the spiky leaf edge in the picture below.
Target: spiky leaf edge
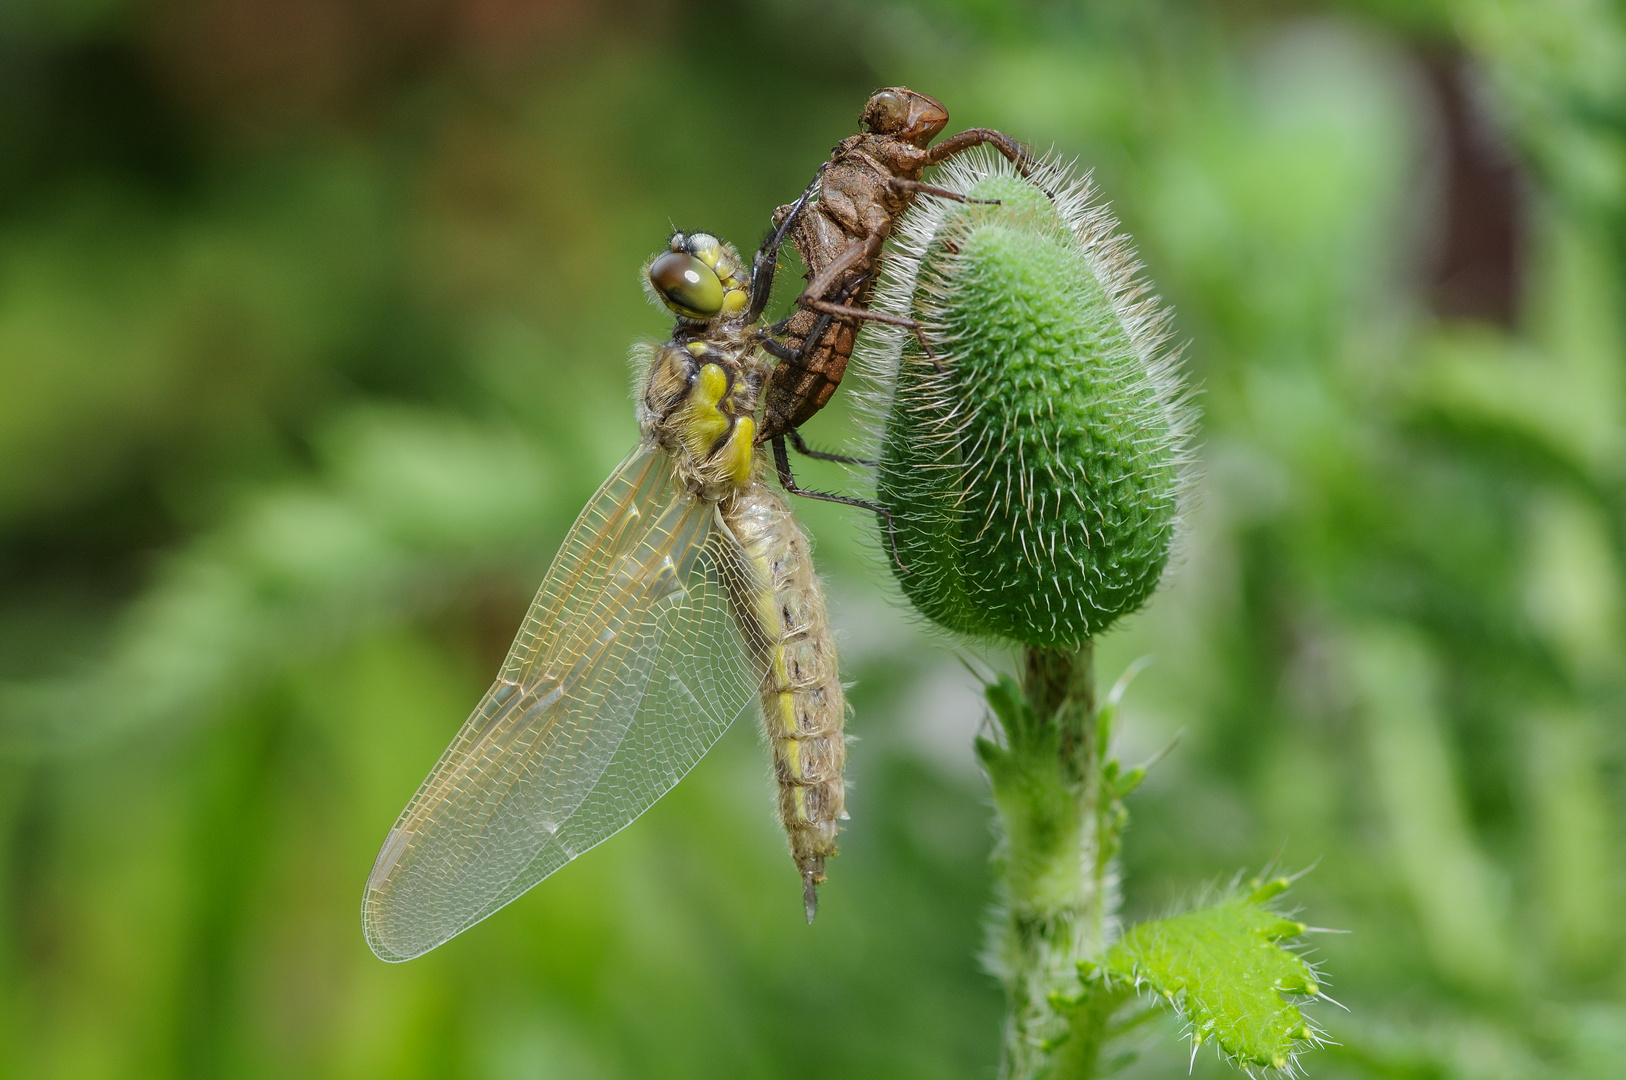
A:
(1117, 977)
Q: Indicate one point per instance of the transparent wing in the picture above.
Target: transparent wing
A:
(628, 667)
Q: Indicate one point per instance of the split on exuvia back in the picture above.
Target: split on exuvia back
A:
(683, 591)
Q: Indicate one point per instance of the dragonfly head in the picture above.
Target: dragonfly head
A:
(905, 113)
(699, 277)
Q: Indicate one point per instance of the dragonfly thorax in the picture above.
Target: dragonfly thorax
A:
(697, 404)
(701, 388)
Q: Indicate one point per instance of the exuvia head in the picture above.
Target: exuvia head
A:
(700, 278)
(905, 113)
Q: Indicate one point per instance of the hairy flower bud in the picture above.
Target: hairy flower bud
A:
(1035, 464)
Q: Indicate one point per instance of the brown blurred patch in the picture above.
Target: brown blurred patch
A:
(506, 32)
(263, 65)
(1475, 275)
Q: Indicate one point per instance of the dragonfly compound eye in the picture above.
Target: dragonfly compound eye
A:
(687, 285)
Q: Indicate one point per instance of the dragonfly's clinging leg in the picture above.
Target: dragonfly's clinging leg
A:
(766, 260)
(802, 448)
(781, 351)
(816, 335)
(787, 480)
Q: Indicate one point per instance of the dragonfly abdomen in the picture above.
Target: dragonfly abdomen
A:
(803, 706)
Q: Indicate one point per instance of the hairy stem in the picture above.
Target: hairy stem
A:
(1058, 829)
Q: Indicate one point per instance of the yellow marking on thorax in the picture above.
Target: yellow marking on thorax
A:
(735, 455)
(702, 423)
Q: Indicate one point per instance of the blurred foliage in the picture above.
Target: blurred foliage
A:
(312, 318)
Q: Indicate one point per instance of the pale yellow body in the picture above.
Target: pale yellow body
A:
(802, 703)
(697, 404)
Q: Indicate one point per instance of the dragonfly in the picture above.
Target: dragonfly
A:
(684, 591)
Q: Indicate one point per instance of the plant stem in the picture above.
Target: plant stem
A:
(1058, 830)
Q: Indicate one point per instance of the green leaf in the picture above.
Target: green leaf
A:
(1225, 970)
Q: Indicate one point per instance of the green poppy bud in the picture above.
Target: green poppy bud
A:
(1036, 464)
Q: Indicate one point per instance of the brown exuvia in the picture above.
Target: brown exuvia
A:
(838, 227)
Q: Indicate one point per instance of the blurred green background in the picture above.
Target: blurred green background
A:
(313, 318)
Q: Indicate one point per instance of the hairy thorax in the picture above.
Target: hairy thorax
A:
(697, 404)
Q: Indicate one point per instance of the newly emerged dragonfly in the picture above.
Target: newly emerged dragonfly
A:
(684, 590)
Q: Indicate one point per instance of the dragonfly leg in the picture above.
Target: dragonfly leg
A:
(805, 450)
(767, 256)
(787, 480)
(816, 335)
(788, 352)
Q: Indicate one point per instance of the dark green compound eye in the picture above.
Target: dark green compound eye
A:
(687, 285)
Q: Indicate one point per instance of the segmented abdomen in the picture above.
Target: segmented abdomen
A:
(802, 703)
